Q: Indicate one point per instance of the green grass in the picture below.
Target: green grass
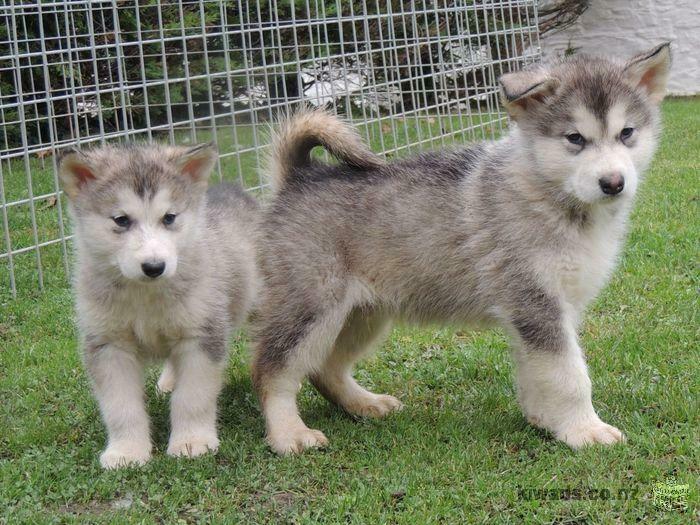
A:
(460, 450)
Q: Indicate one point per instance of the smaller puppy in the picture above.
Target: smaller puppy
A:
(165, 270)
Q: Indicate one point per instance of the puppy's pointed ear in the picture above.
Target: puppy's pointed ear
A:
(197, 162)
(74, 171)
(523, 91)
(649, 71)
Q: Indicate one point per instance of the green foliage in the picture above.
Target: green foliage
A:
(103, 49)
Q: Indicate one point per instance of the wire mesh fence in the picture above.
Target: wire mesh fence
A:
(411, 73)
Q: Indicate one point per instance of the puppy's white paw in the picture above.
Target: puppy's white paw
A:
(193, 446)
(125, 453)
(296, 441)
(374, 405)
(590, 433)
(166, 381)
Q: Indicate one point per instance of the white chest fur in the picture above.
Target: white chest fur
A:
(589, 258)
(147, 318)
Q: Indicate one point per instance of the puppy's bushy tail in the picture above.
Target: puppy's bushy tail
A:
(296, 135)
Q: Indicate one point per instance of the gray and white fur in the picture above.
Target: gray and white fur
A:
(520, 233)
(165, 270)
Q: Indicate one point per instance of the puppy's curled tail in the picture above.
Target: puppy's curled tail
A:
(297, 134)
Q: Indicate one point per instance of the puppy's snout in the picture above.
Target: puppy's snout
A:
(153, 269)
(612, 184)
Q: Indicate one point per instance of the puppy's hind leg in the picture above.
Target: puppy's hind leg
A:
(364, 329)
(286, 353)
(166, 381)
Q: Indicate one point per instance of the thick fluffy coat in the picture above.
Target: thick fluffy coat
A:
(165, 270)
(521, 233)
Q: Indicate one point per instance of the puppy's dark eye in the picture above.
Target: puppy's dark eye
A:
(626, 133)
(169, 218)
(123, 221)
(576, 139)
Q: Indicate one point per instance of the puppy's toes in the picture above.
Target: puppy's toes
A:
(595, 432)
(125, 453)
(192, 446)
(295, 442)
(374, 405)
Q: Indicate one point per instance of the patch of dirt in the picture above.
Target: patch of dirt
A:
(283, 499)
(97, 508)
(91, 508)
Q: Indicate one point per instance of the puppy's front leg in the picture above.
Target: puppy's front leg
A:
(553, 384)
(198, 365)
(117, 377)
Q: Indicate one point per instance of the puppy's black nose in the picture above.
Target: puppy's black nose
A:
(612, 184)
(153, 269)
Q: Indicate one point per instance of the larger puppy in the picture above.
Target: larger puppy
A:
(521, 233)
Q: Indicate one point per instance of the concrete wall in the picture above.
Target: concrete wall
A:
(625, 27)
